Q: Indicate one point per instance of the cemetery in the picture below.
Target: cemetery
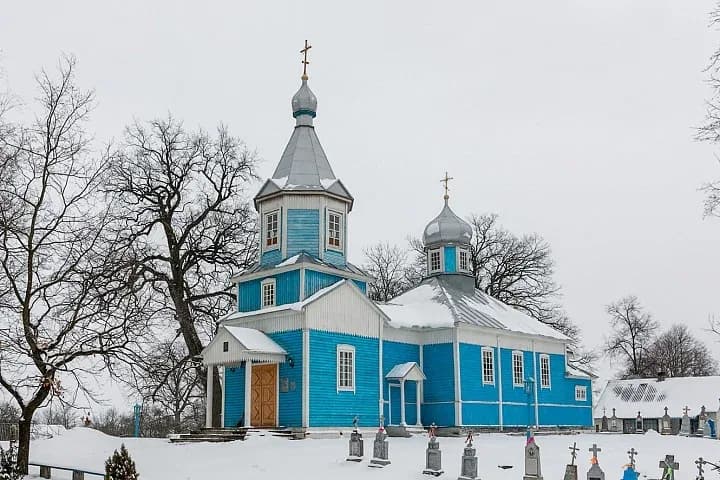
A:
(486, 456)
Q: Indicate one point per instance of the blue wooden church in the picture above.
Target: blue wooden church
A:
(307, 348)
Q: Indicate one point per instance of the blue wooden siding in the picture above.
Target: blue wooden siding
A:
(290, 379)
(450, 262)
(330, 407)
(287, 287)
(271, 257)
(315, 281)
(303, 232)
(361, 285)
(335, 258)
(234, 395)
(395, 353)
(439, 389)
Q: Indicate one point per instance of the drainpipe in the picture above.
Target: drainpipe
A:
(535, 374)
(499, 382)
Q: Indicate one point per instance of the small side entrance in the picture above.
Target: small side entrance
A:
(264, 395)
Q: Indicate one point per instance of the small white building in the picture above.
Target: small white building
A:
(626, 402)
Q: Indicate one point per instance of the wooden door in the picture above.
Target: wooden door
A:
(264, 396)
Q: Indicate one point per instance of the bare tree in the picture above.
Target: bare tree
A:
(60, 294)
(184, 213)
(388, 265)
(677, 353)
(633, 332)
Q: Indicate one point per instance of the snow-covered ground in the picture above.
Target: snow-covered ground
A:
(265, 457)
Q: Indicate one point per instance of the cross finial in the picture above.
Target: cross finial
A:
(686, 410)
(305, 61)
(573, 449)
(469, 439)
(446, 180)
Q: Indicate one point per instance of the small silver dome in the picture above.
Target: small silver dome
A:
(304, 102)
(447, 228)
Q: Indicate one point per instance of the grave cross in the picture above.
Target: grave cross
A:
(595, 449)
(686, 410)
(573, 449)
(699, 462)
(666, 409)
(669, 465)
(469, 439)
(632, 452)
(432, 431)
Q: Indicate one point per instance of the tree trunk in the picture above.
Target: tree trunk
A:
(24, 443)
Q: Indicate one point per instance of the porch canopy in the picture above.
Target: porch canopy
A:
(234, 345)
(403, 372)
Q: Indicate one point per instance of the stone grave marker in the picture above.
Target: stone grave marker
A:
(604, 422)
(702, 418)
(571, 472)
(614, 424)
(356, 449)
(639, 423)
(595, 472)
(666, 427)
(669, 465)
(433, 455)
(532, 458)
(468, 467)
(380, 447)
(685, 422)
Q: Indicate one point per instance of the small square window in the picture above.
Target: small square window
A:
(580, 393)
(268, 293)
(226, 346)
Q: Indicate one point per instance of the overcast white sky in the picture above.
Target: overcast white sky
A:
(573, 119)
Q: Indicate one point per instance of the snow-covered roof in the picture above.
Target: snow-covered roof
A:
(406, 371)
(298, 259)
(297, 306)
(445, 300)
(233, 345)
(650, 396)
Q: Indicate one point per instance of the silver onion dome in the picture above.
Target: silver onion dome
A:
(447, 228)
(304, 103)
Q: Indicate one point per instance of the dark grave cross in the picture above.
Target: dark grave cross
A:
(595, 449)
(573, 449)
(433, 429)
(686, 410)
(699, 462)
(669, 465)
(469, 439)
(355, 423)
(632, 452)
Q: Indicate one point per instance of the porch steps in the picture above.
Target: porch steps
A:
(214, 435)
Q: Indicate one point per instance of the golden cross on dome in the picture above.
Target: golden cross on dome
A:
(446, 180)
(305, 62)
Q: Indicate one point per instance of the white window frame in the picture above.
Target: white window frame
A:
(265, 231)
(439, 251)
(518, 354)
(341, 228)
(580, 393)
(543, 384)
(351, 350)
(490, 379)
(265, 283)
(460, 251)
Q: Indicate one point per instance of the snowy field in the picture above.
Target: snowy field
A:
(265, 457)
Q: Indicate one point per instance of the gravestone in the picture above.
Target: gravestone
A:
(639, 423)
(669, 465)
(702, 418)
(630, 473)
(468, 467)
(614, 423)
(532, 458)
(666, 423)
(356, 449)
(604, 422)
(380, 448)
(595, 472)
(710, 428)
(433, 455)
(571, 469)
(685, 423)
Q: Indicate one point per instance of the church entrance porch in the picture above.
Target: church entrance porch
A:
(264, 395)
